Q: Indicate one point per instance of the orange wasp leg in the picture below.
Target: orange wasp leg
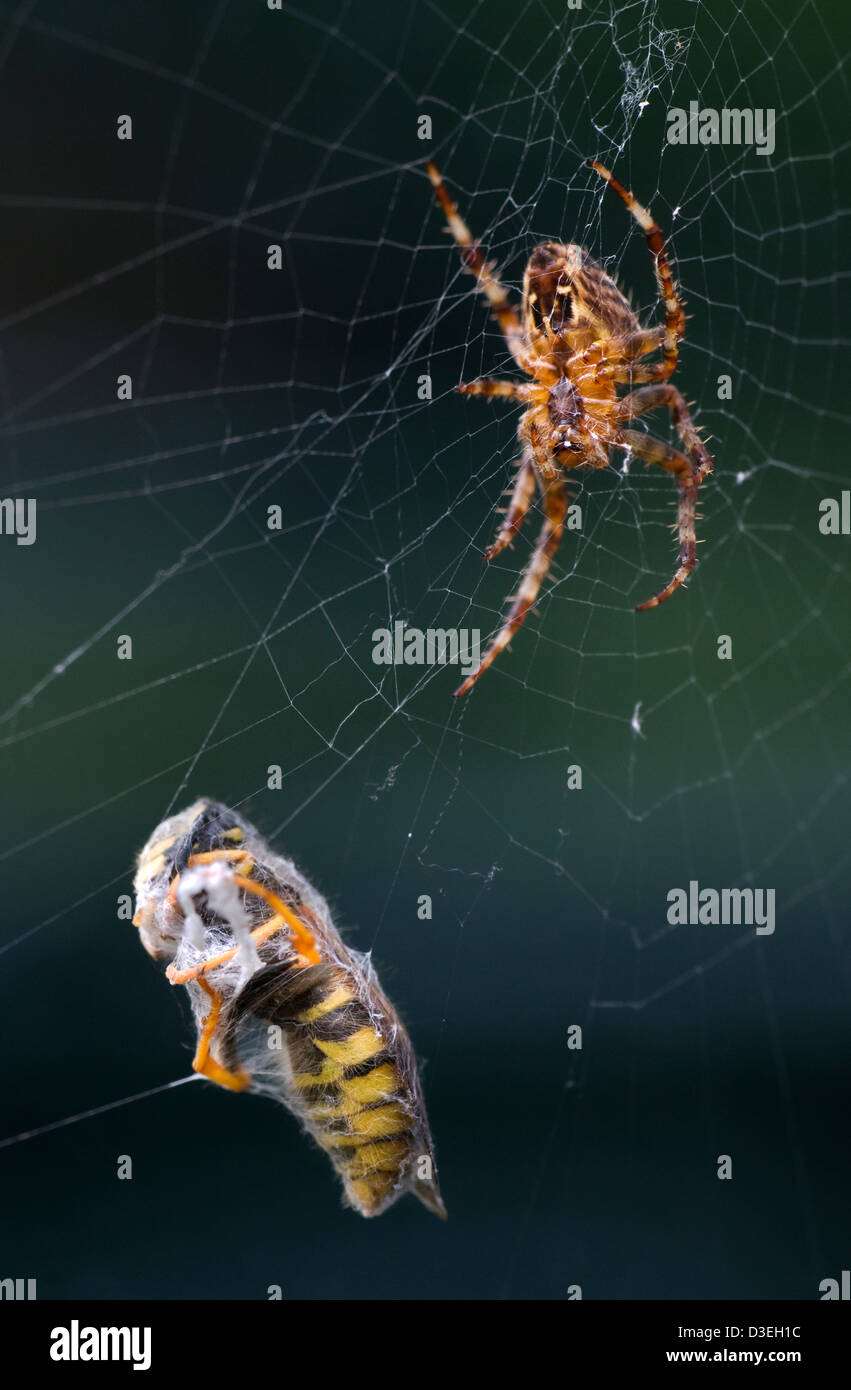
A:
(307, 953)
(203, 1062)
(212, 856)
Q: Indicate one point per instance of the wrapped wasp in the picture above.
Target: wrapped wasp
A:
(282, 1005)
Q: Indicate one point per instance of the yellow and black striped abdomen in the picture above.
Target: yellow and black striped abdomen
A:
(352, 1079)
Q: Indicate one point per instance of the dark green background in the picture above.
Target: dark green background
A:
(251, 648)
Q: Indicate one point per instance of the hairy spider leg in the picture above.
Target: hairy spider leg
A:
(492, 387)
(628, 348)
(651, 398)
(675, 322)
(644, 446)
(555, 507)
(623, 371)
(521, 500)
(531, 432)
(638, 403)
(471, 253)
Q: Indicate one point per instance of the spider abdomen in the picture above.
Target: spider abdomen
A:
(567, 296)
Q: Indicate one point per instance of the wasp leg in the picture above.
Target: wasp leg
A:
(203, 1062)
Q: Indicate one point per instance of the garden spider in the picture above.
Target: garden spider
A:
(579, 340)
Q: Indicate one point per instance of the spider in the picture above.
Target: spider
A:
(578, 339)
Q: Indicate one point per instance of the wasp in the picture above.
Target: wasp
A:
(282, 1006)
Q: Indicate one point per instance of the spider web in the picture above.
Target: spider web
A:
(252, 648)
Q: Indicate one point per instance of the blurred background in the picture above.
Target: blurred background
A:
(252, 648)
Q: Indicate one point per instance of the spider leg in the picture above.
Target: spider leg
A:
(675, 323)
(650, 398)
(688, 481)
(491, 387)
(529, 434)
(629, 374)
(628, 348)
(637, 344)
(471, 253)
(555, 506)
(521, 500)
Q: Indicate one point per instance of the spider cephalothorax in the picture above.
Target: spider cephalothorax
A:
(578, 339)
